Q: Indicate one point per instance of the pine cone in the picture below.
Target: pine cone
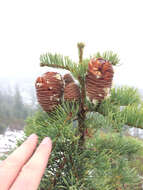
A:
(71, 90)
(99, 79)
(68, 79)
(49, 90)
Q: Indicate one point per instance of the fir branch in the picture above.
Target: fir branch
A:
(59, 172)
(110, 154)
(87, 153)
(109, 56)
(113, 122)
(57, 61)
(125, 95)
(107, 107)
(64, 113)
(96, 121)
(134, 115)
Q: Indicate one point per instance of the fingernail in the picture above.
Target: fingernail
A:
(33, 136)
(46, 140)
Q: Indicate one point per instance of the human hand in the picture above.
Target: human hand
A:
(22, 170)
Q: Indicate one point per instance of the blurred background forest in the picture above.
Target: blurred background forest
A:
(16, 105)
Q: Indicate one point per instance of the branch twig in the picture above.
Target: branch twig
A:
(54, 66)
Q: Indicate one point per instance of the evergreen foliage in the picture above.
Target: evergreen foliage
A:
(125, 95)
(89, 148)
(59, 61)
(134, 115)
(110, 56)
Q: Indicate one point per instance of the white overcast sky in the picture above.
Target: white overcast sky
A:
(31, 27)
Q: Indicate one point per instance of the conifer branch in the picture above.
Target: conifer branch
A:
(57, 61)
(82, 112)
(107, 106)
(109, 56)
(91, 152)
(134, 115)
(125, 95)
(61, 166)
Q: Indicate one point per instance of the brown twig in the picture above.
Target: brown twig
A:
(55, 66)
(82, 112)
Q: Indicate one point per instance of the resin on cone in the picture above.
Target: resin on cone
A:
(49, 90)
(71, 90)
(98, 79)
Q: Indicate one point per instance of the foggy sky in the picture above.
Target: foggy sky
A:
(29, 28)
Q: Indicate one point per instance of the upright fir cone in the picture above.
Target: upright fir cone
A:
(99, 79)
(49, 90)
(71, 90)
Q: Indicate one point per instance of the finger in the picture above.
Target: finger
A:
(31, 174)
(10, 167)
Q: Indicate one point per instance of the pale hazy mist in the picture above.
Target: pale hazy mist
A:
(29, 28)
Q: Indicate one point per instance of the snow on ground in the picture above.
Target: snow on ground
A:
(8, 140)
